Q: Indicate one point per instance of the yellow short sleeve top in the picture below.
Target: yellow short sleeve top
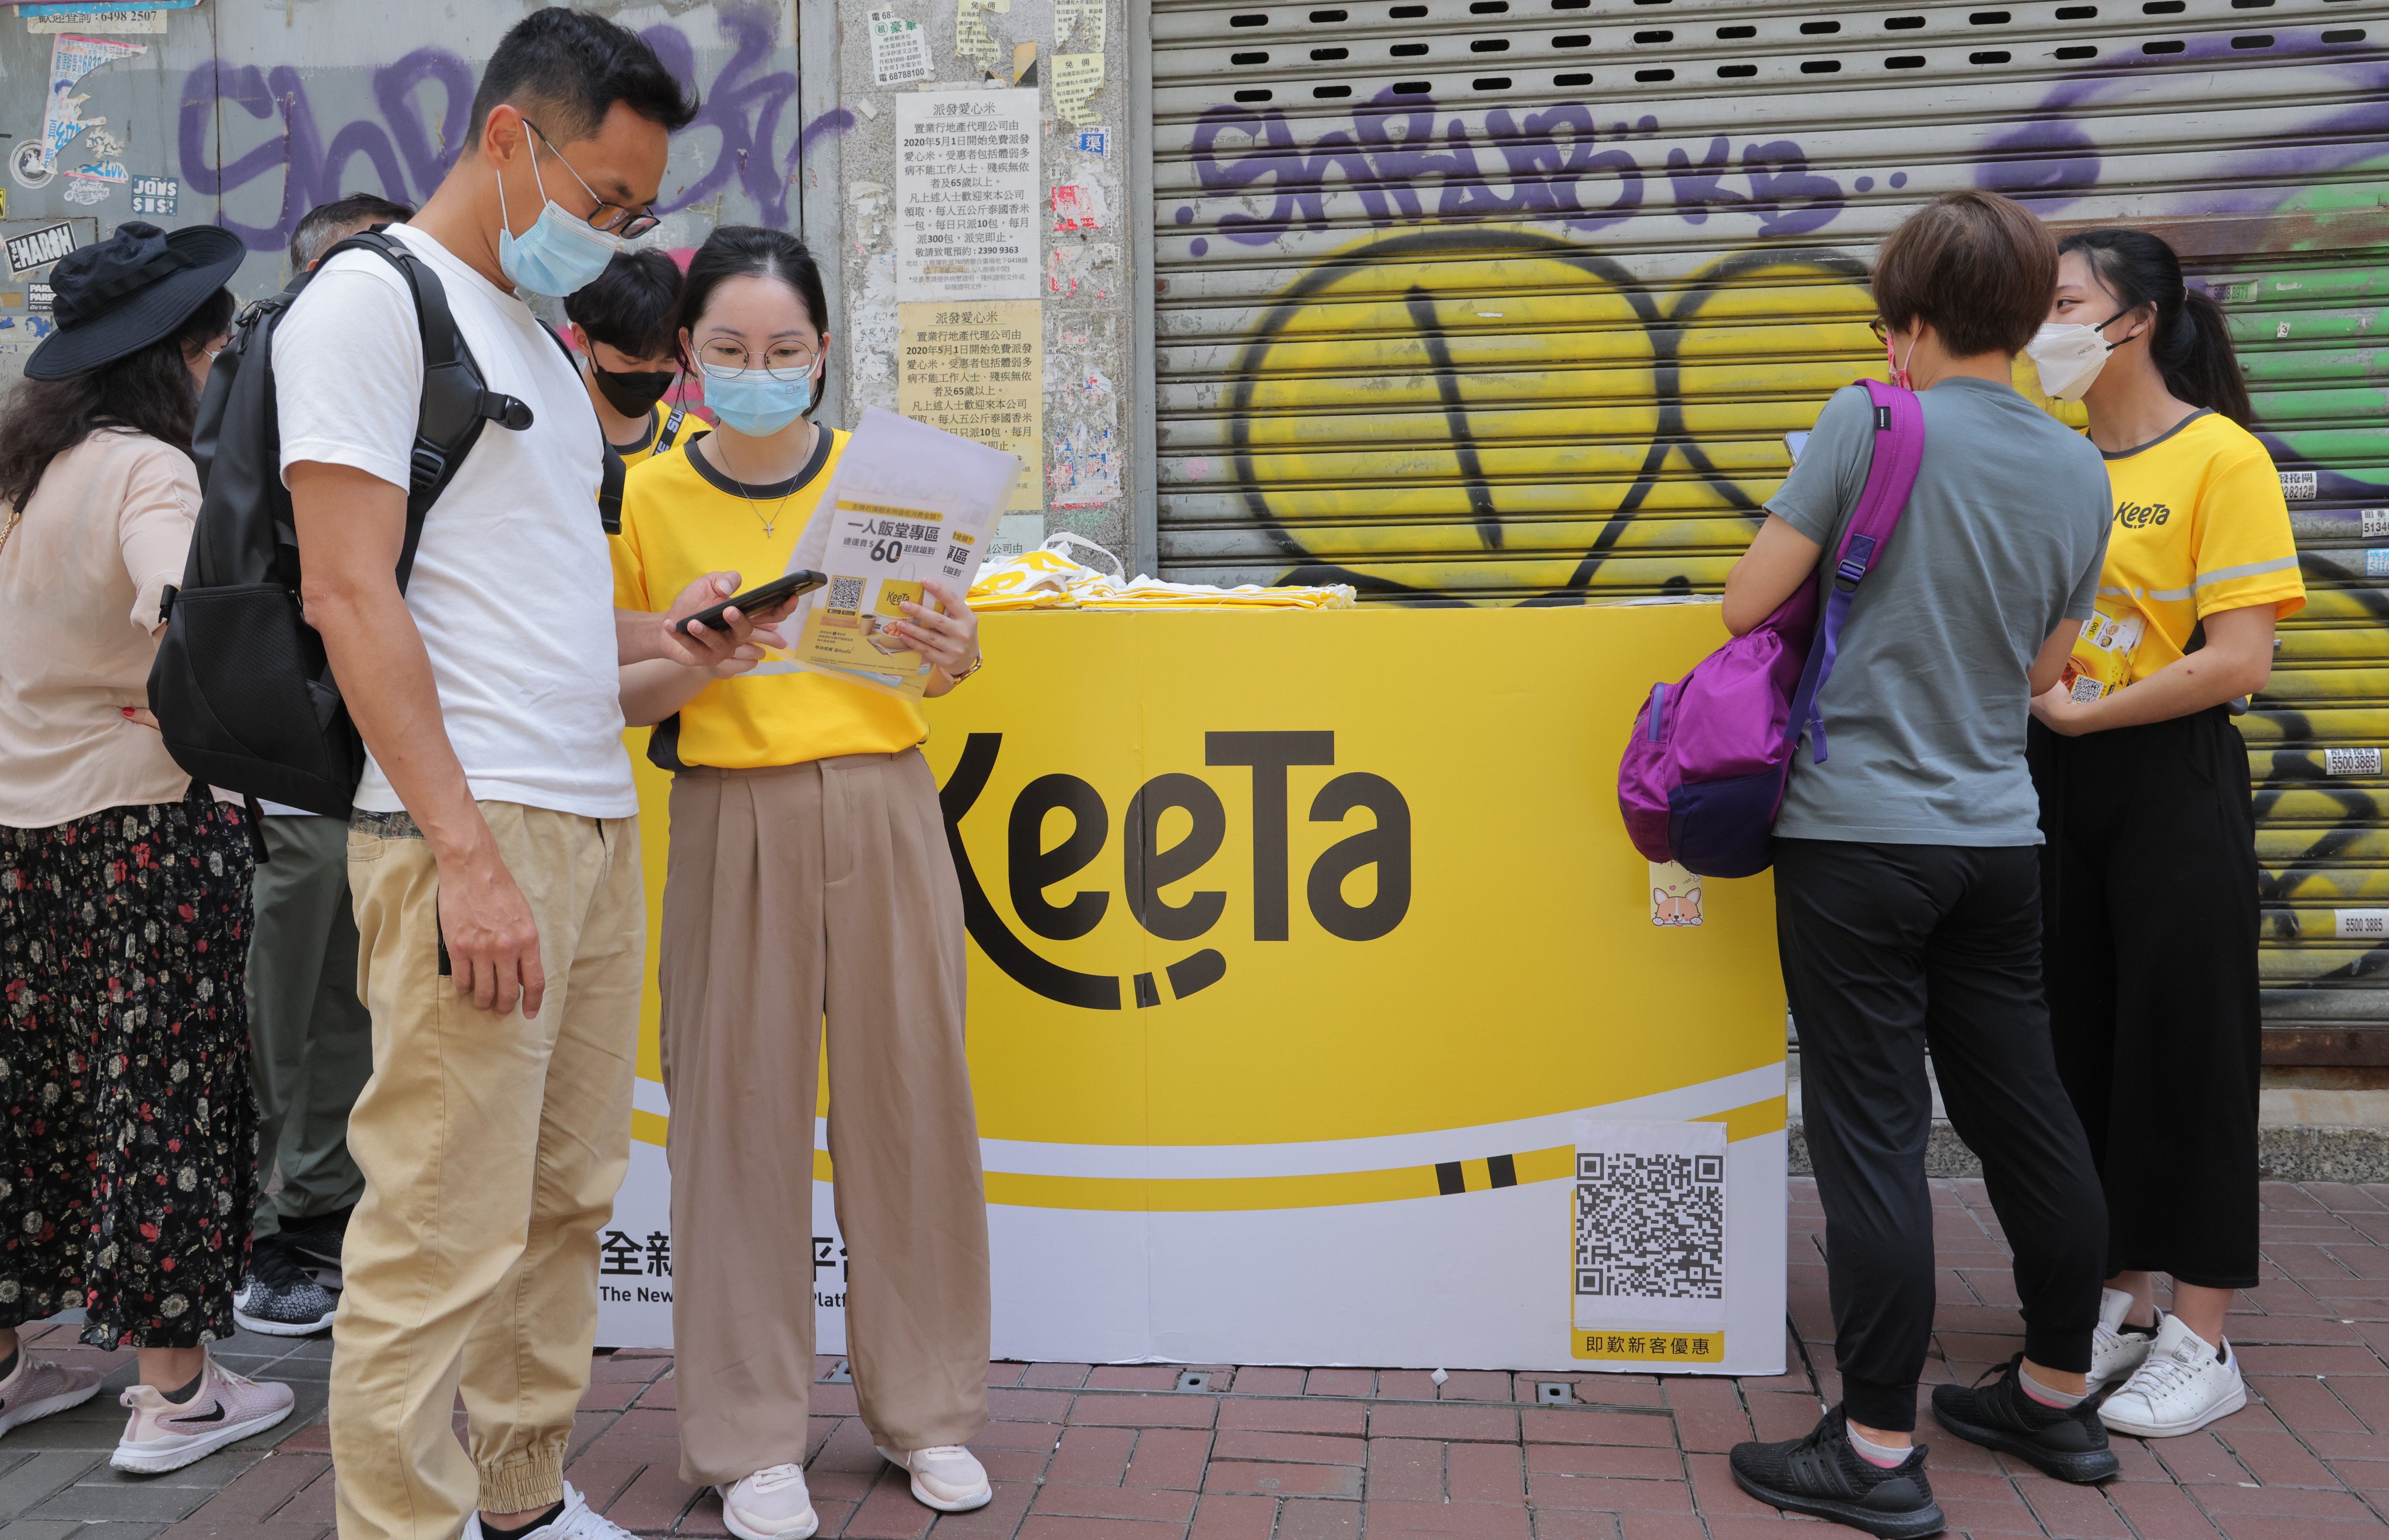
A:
(2200, 526)
(681, 518)
(667, 425)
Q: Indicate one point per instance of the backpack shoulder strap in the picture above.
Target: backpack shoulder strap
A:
(1891, 475)
(670, 432)
(456, 403)
(612, 471)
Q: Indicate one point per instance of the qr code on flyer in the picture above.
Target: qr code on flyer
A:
(845, 593)
(1650, 1225)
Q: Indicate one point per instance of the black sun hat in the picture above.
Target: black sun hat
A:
(120, 295)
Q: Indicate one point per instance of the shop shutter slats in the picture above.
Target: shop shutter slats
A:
(1501, 301)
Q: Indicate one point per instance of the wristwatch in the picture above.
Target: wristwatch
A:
(977, 664)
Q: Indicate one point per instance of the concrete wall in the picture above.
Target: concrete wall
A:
(1085, 289)
(255, 112)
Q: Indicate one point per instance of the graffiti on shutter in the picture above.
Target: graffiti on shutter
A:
(1515, 302)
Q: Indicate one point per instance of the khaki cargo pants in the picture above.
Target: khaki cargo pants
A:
(492, 1148)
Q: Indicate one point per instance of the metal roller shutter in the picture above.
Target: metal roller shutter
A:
(1498, 301)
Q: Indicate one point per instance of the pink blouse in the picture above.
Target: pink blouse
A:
(81, 576)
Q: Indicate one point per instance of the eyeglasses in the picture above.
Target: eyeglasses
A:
(1882, 332)
(785, 362)
(610, 218)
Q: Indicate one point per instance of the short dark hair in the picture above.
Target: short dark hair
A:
(632, 304)
(347, 213)
(2189, 337)
(574, 67)
(1975, 266)
(751, 250)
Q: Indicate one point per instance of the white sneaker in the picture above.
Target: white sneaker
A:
(2185, 1383)
(769, 1505)
(946, 1477)
(2115, 1352)
(578, 1522)
(38, 1387)
(165, 1435)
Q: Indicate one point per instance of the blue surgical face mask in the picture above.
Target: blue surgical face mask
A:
(752, 402)
(559, 254)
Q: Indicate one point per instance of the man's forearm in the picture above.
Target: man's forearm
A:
(385, 677)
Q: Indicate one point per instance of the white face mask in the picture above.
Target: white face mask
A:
(2069, 355)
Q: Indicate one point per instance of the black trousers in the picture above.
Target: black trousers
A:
(2150, 905)
(1890, 950)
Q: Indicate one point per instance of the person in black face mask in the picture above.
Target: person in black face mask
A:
(622, 329)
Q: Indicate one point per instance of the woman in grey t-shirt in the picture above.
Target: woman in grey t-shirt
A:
(1906, 880)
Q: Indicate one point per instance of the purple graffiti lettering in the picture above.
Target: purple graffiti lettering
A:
(1794, 199)
(423, 106)
(1555, 166)
(1697, 186)
(312, 171)
(743, 112)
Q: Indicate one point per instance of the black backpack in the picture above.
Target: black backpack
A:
(241, 688)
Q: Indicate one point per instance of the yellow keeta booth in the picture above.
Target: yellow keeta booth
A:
(1320, 1010)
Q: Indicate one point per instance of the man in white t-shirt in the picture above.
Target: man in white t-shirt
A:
(493, 854)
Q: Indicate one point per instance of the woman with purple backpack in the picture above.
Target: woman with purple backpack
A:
(1906, 879)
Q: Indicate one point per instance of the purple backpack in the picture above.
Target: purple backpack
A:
(1705, 773)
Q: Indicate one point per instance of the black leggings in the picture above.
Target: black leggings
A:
(2150, 902)
(1889, 951)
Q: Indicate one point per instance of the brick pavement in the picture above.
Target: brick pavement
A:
(1282, 1454)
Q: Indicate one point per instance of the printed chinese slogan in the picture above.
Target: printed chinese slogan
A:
(978, 371)
(966, 187)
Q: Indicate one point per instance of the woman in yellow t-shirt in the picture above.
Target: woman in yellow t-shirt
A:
(2149, 875)
(810, 889)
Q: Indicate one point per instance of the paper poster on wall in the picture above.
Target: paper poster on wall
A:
(978, 371)
(966, 195)
(899, 49)
(972, 40)
(156, 196)
(99, 16)
(1076, 78)
(1079, 23)
(72, 57)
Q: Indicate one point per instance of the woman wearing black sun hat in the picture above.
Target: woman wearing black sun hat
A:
(128, 1127)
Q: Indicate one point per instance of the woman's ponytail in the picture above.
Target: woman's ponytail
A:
(2198, 364)
(2190, 341)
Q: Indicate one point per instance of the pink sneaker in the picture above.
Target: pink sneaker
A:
(167, 1435)
(38, 1387)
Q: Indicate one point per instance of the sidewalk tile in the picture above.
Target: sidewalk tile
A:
(1091, 1457)
(1117, 1502)
(1475, 1520)
(1282, 1481)
(1313, 1519)
(1405, 1470)
(1169, 1458)
(1229, 1516)
(1287, 1448)
(1443, 1420)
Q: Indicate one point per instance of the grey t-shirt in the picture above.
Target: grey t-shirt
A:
(2002, 541)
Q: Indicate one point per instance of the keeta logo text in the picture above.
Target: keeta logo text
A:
(2135, 515)
(1050, 905)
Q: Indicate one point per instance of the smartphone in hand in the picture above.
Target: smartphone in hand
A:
(769, 596)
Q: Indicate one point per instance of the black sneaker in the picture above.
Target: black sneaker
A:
(1823, 1475)
(2068, 1443)
(277, 1297)
(317, 1244)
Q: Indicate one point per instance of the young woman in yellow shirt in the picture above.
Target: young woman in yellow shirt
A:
(810, 889)
(2149, 875)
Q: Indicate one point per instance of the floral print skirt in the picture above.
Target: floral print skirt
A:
(128, 1125)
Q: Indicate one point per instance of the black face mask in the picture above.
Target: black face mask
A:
(632, 394)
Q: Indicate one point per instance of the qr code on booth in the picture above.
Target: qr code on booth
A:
(845, 593)
(1650, 1225)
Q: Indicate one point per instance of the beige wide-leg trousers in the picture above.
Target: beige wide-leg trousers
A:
(812, 896)
(491, 1147)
